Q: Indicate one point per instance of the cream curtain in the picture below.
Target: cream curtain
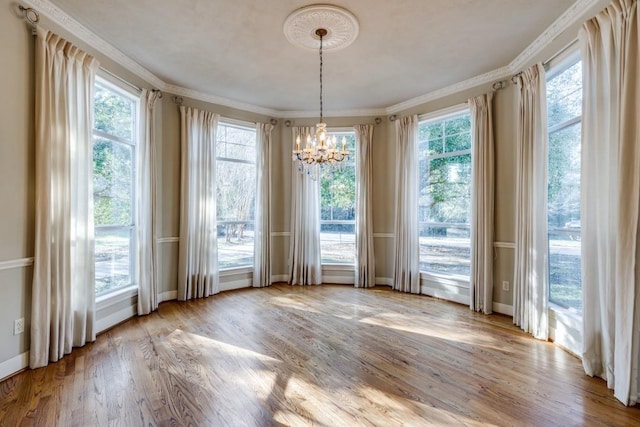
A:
(406, 275)
(611, 198)
(198, 257)
(531, 280)
(365, 276)
(63, 293)
(482, 165)
(262, 257)
(146, 220)
(304, 247)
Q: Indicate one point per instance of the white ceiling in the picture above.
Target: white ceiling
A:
(236, 49)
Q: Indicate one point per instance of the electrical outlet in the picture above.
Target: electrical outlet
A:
(18, 326)
(505, 285)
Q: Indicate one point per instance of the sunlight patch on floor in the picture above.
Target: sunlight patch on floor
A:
(417, 325)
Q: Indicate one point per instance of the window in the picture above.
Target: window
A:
(564, 109)
(114, 160)
(236, 191)
(338, 207)
(444, 153)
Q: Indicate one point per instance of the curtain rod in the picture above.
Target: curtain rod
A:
(548, 61)
(560, 52)
(120, 79)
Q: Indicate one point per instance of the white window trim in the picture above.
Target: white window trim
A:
(245, 126)
(121, 87)
(425, 119)
(351, 161)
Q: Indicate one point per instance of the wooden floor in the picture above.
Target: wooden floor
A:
(325, 356)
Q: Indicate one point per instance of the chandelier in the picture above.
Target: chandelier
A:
(319, 149)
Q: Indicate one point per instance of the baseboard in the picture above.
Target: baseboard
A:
(14, 365)
(167, 296)
(503, 308)
(384, 281)
(118, 317)
(442, 294)
(279, 278)
(236, 284)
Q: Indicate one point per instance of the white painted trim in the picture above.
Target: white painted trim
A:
(58, 16)
(235, 284)
(167, 240)
(446, 280)
(14, 365)
(444, 113)
(280, 234)
(61, 18)
(485, 78)
(167, 296)
(279, 278)
(113, 319)
(235, 271)
(384, 281)
(338, 280)
(384, 235)
(503, 308)
(443, 294)
(565, 329)
(116, 297)
(362, 112)
(564, 21)
(506, 245)
(16, 263)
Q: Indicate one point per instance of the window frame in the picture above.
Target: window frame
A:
(453, 282)
(120, 88)
(245, 126)
(350, 161)
(557, 66)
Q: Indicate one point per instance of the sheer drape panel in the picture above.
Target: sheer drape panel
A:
(63, 293)
(365, 276)
(198, 257)
(482, 203)
(146, 222)
(406, 275)
(304, 247)
(262, 256)
(531, 279)
(611, 198)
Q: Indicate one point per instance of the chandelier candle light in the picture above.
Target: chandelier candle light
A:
(334, 28)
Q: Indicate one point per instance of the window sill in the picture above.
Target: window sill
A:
(113, 298)
(234, 271)
(338, 267)
(569, 316)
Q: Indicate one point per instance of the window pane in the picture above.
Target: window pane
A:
(338, 208)
(236, 143)
(236, 190)
(113, 113)
(235, 244)
(445, 248)
(445, 201)
(564, 95)
(337, 243)
(112, 182)
(112, 259)
(564, 218)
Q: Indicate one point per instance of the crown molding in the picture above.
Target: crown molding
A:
(485, 78)
(61, 18)
(564, 21)
(58, 16)
(305, 114)
(225, 102)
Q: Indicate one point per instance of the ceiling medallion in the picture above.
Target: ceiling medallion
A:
(301, 26)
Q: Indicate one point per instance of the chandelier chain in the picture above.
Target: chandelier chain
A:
(321, 121)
